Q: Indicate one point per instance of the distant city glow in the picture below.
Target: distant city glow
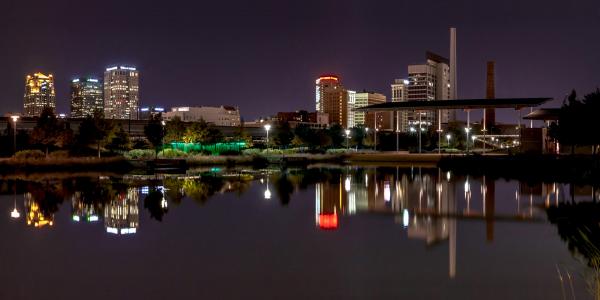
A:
(76, 218)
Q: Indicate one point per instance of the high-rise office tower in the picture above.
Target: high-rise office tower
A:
(427, 82)
(368, 119)
(351, 105)
(86, 97)
(399, 94)
(490, 93)
(39, 93)
(332, 98)
(121, 93)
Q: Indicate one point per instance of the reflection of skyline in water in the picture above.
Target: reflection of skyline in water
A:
(35, 216)
(425, 203)
(121, 215)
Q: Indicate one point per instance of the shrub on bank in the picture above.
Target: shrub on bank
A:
(172, 153)
(252, 151)
(140, 154)
(29, 154)
(59, 154)
(336, 151)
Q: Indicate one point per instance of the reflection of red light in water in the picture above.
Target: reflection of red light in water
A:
(328, 221)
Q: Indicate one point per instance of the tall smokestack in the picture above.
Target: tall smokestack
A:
(453, 90)
(490, 93)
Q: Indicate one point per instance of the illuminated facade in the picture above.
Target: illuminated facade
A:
(426, 82)
(39, 93)
(121, 93)
(351, 106)
(368, 119)
(121, 215)
(216, 115)
(332, 99)
(399, 94)
(86, 97)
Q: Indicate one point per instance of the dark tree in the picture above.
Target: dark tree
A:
(283, 134)
(578, 122)
(155, 132)
(93, 131)
(357, 136)
(47, 130)
(337, 135)
(174, 130)
(119, 139)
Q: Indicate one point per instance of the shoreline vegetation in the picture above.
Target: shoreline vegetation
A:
(563, 168)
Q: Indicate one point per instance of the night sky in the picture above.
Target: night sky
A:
(264, 56)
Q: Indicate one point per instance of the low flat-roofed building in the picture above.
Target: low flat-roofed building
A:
(218, 115)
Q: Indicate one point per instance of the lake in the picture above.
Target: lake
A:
(323, 232)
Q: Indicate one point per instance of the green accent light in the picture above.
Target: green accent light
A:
(214, 149)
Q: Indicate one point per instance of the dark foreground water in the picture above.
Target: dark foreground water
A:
(322, 233)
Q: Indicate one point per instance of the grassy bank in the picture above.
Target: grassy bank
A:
(264, 159)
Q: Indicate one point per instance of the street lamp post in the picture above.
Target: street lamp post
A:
(448, 136)
(14, 118)
(347, 139)
(267, 128)
(467, 139)
(366, 132)
(162, 140)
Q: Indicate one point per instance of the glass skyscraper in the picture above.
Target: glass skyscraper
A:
(86, 97)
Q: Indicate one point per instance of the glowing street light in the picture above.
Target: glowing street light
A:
(448, 136)
(467, 129)
(14, 118)
(347, 139)
(267, 128)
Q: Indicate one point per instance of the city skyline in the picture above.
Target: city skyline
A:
(543, 52)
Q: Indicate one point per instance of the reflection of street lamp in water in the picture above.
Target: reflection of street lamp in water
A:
(267, 191)
(15, 213)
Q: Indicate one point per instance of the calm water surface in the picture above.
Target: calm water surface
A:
(320, 233)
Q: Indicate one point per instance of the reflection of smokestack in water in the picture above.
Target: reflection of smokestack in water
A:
(490, 206)
(490, 93)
